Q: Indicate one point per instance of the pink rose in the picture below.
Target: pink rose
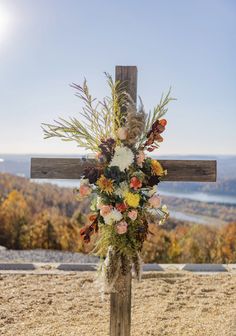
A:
(84, 190)
(105, 210)
(122, 133)
(121, 227)
(133, 214)
(155, 201)
(140, 158)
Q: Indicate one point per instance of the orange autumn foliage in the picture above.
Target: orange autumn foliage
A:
(46, 216)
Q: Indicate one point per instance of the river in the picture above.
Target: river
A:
(195, 196)
(202, 197)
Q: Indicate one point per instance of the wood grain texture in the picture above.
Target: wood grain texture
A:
(190, 170)
(120, 307)
(71, 168)
(59, 168)
(128, 76)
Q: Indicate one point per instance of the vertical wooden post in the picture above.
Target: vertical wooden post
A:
(120, 304)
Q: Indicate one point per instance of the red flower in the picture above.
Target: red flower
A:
(135, 183)
(121, 207)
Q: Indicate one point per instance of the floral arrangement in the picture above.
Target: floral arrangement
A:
(123, 184)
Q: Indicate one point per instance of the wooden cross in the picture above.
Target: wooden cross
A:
(72, 168)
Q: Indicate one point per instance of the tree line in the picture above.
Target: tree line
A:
(45, 216)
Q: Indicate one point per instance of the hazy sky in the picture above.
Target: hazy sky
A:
(189, 45)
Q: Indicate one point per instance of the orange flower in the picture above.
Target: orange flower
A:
(92, 217)
(163, 122)
(105, 184)
(135, 183)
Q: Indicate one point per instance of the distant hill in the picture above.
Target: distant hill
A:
(221, 187)
(39, 196)
(19, 165)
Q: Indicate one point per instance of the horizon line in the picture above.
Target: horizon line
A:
(89, 153)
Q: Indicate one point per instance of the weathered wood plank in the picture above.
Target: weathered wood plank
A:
(59, 168)
(72, 168)
(127, 75)
(190, 170)
(120, 307)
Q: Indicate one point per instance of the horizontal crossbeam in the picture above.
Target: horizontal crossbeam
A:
(72, 168)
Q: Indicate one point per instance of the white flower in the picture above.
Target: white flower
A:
(122, 158)
(113, 216)
(84, 181)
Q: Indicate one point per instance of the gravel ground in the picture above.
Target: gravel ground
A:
(45, 256)
(162, 305)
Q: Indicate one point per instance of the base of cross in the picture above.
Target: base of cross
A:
(120, 306)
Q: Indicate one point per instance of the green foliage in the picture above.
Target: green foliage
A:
(127, 244)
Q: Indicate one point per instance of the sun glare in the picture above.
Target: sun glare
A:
(4, 24)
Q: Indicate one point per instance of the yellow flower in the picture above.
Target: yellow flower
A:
(157, 168)
(132, 199)
(105, 184)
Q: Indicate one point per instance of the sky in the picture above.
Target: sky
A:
(189, 45)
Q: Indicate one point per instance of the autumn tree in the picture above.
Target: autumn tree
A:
(50, 230)
(14, 215)
(226, 243)
(199, 244)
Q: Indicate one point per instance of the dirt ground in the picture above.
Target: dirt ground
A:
(162, 304)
